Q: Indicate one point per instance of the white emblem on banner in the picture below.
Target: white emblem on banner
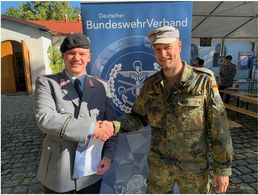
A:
(128, 87)
(136, 185)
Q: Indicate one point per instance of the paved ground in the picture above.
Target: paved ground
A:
(21, 148)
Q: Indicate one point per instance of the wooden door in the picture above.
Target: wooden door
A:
(26, 62)
(8, 84)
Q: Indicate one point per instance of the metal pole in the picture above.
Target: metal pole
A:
(222, 47)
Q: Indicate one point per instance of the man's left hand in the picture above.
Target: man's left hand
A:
(220, 183)
(103, 166)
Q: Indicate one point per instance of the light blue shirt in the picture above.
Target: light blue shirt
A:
(72, 77)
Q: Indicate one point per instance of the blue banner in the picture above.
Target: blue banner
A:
(121, 53)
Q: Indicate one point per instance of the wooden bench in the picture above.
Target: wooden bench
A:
(233, 124)
(241, 94)
(241, 110)
(249, 99)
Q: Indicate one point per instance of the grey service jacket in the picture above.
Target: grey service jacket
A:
(65, 122)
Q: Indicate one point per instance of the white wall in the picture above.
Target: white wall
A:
(36, 41)
(233, 47)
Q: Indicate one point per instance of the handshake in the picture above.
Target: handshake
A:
(103, 130)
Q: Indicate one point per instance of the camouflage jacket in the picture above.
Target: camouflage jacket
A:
(181, 118)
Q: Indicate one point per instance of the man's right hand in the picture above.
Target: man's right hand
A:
(103, 130)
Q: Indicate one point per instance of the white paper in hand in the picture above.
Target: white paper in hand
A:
(87, 157)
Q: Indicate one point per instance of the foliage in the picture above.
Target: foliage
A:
(44, 10)
(56, 61)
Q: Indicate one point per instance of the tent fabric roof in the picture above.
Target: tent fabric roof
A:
(225, 19)
(216, 19)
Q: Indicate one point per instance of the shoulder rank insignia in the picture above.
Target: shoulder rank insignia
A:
(91, 84)
(63, 82)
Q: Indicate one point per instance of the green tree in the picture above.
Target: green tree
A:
(44, 10)
(56, 62)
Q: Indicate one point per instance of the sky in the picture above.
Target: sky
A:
(6, 4)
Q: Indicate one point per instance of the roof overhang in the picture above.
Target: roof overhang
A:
(21, 21)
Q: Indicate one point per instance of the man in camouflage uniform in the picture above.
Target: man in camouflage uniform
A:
(227, 73)
(181, 104)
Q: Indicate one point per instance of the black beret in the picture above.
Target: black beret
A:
(75, 40)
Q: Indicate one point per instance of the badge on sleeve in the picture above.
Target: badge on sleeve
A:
(217, 99)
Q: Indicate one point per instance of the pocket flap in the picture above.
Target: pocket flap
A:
(94, 112)
(51, 145)
(192, 101)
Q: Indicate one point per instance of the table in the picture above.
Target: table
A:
(242, 96)
(250, 83)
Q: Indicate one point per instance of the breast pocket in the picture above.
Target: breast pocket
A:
(65, 108)
(97, 114)
(191, 113)
(155, 112)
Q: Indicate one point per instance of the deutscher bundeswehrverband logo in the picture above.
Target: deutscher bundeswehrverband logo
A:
(125, 64)
(126, 84)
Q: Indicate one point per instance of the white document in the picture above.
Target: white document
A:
(87, 157)
(93, 156)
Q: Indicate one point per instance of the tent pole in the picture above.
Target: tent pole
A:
(222, 47)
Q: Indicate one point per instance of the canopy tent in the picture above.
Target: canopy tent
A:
(225, 19)
(218, 19)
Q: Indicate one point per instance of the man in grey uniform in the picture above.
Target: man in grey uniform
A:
(67, 106)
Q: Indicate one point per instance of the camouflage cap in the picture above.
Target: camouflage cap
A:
(165, 34)
(75, 40)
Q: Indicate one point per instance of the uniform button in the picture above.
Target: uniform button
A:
(81, 115)
(48, 147)
(62, 109)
